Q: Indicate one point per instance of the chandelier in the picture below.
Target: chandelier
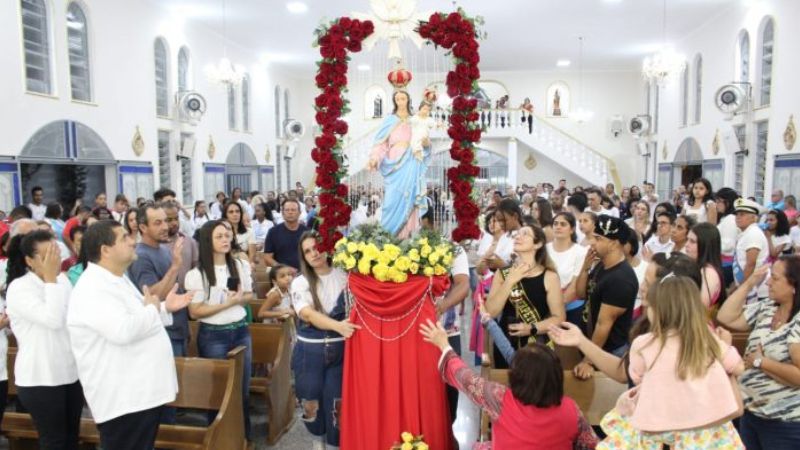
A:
(224, 73)
(667, 63)
(663, 66)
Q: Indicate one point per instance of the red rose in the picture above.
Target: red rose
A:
(345, 22)
(340, 127)
(341, 190)
(354, 46)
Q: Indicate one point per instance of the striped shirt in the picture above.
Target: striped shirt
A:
(763, 395)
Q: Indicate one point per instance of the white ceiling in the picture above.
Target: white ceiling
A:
(522, 34)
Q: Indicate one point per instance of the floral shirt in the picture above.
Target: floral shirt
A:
(488, 395)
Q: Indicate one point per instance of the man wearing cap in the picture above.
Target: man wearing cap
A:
(752, 248)
(610, 287)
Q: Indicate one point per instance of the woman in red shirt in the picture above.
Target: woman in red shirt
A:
(532, 412)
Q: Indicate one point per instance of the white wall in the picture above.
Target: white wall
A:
(717, 42)
(122, 67)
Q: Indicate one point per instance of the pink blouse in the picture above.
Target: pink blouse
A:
(667, 403)
(393, 147)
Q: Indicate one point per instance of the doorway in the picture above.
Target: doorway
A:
(691, 172)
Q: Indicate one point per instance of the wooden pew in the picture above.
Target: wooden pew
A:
(595, 396)
(740, 340)
(204, 384)
(272, 348)
(261, 284)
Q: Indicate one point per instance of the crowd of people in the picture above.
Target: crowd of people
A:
(100, 298)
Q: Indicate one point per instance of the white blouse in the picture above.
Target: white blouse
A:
(218, 294)
(38, 313)
(328, 290)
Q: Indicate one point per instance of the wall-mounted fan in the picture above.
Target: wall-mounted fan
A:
(191, 106)
(293, 129)
(732, 98)
(639, 125)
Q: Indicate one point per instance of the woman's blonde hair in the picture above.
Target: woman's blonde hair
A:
(677, 310)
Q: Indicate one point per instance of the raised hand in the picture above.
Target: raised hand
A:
(758, 276)
(566, 334)
(517, 272)
(47, 262)
(177, 253)
(175, 301)
(434, 333)
(150, 299)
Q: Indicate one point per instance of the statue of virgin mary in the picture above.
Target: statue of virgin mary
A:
(402, 151)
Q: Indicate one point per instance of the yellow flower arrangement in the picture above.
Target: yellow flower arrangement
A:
(370, 250)
(410, 442)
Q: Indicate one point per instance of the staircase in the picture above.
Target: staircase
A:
(528, 129)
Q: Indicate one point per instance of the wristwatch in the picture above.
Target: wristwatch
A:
(534, 330)
(757, 363)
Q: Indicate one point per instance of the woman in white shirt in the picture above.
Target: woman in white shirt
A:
(222, 286)
(728, 231)
(261, 225)
(200, 215)
(640, 218)
(45, 372)
(234, 214)
(215, 212)
(780, 243)
(568, 257)
(317, 362)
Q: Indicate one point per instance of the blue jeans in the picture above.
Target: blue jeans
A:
(318, 369)
(215, 344)
(758, 433)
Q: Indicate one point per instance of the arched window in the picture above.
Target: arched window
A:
(743, 74)
(36, 38)
(685, 96)
(183, 69)
(698, 86)
(767, 37)
(78, 43)
(162, 80)
(231, 107)
(246, 103)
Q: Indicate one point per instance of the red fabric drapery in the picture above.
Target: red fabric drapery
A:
(392, 384)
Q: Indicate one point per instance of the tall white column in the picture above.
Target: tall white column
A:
(513, 161)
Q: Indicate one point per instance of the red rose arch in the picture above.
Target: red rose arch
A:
(455, 32)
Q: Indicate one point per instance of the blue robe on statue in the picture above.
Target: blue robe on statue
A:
(403, 177)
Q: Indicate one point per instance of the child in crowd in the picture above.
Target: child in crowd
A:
(277, 306)
(200, 215)
(686, 391)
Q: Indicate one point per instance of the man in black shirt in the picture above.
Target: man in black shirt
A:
(281, 245)
(610, 288)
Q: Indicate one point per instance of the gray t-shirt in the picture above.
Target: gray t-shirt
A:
(151, 265)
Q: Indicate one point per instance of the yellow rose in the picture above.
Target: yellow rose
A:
(428, 271)
(339, 257)
(392, 250)
(423, 241)
(340, 242)
(380, 271)
(364, 266)
(402, 263)
(407, 437)
(447, 259)
(352, 247)
(439, 270)
(406, 446)
(361, 246)
(422, 446)
(426, 250)
(384, 259)
(413, 268)
(433, 258)
(401, 277)
(413, 255)
(349, 263)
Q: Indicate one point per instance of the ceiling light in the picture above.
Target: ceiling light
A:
(297, 7)
(666, 64)
(563, 63)
(364, 67)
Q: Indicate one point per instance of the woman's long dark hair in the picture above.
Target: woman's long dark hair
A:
(308, 271)
(205, 261)
(240, 228)
(545, 212)
(709, 245)
(54, 211)
(728, 196)
(22, 245)
(267, 211)
(127, 216)
(782, 225)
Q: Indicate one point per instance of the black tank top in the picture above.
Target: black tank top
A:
(537, 299)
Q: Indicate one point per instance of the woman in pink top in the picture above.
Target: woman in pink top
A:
(686, 393)
(532, 412)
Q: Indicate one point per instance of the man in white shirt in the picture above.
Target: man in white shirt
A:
(752, 248)
(595, 198)
(661, 241)
(37, 207)
(117, 337)
(650, 197)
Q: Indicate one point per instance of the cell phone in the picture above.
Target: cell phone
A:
(233, 284)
